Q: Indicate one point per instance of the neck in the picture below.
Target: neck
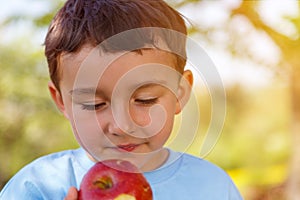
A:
(145, 162)
(154, 160)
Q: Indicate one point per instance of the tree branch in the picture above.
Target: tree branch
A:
(248, 9)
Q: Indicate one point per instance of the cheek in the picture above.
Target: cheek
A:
(157, 114)
(159, 140)
(168, 119)
(140, 115)
(84, 124)
(157, 120)
(89, 134)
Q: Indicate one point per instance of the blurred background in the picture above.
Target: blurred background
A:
(254, 44)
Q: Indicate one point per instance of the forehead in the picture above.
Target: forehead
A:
(74, 59)
(91, 59)
(85, 52)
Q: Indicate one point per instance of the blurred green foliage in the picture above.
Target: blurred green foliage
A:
(255, 144)
(30, 125)
(253, 147)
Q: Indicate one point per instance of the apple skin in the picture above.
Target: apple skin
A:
(114, 180)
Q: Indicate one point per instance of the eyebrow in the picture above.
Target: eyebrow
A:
(93, 91)
(147, 85)
(82, 91)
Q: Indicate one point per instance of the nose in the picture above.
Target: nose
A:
(120, 122)
(119, 129)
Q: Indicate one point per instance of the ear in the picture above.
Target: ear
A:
(184, 90)
(57, 98)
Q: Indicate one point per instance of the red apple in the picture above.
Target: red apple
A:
(114, 180)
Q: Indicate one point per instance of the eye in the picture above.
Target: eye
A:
(92, 106)
(146, 102)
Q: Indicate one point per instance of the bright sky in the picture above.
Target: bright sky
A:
(27, 7)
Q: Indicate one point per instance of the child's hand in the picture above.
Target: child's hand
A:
(72, 194)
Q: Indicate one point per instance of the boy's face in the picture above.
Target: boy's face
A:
(124, 106)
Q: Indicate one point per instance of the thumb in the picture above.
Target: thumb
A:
(72, 194)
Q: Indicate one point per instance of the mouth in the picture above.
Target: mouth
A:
(128, 147)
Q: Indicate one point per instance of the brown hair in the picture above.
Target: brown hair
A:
(80, 22)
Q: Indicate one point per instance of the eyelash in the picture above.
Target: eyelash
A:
(144, 102)
(147, 101)
(92, 107)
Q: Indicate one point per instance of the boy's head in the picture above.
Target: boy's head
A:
(91, 22)
(116, 78)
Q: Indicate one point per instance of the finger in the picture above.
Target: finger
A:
(72, 194)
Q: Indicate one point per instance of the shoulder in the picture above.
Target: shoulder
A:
(193, 162)
(193, 177)
(55, 162)
(207, 177)
(55, 158)
(53, 172)
(195, 166)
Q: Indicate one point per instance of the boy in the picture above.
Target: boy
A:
(119, 81)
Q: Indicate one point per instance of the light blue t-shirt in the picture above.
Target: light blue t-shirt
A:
(182, 177)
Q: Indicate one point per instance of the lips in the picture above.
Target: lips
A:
(128, 147)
